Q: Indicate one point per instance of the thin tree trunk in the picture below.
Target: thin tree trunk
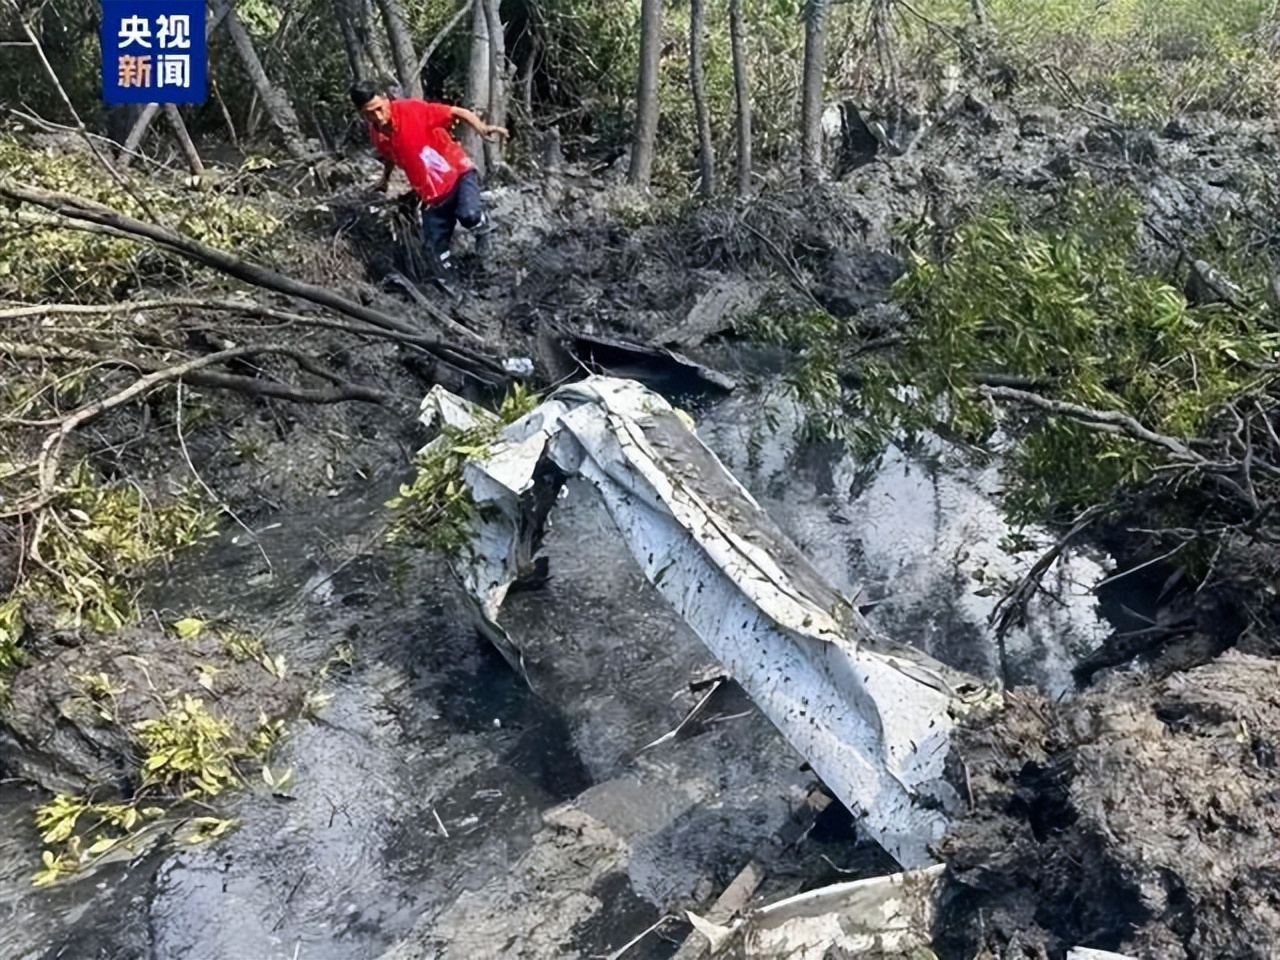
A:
(478, 76)
(646, 130)
(497, 102)
(274, 100)
(136, 133)
(702, 114)
(815, 28)
(397, 25)
(375, 41)
(184, 139)
(440, 36)
(742, 94)
(348, 13)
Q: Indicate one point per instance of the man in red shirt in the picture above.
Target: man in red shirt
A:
(414, 136)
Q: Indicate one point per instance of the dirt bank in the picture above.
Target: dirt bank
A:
(1141, 817)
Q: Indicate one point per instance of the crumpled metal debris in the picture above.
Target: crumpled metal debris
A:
(883, 916)
(872, 717)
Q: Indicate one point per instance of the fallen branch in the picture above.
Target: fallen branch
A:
(1108, 421)
(82, 211)
(1011, 610)
(46, 464)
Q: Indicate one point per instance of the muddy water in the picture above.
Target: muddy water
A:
(422, 818)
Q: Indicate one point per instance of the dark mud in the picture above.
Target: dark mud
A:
(1143, 816)
(441, 807)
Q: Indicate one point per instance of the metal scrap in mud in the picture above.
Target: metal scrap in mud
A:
(872, 717)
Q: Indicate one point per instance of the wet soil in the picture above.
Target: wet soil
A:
(443, 807)
(1143, 816)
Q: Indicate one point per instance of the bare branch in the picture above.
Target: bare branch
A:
(1109, 421)
(80, 210)
(440, 36)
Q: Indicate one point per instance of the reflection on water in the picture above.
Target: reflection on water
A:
(424, 782)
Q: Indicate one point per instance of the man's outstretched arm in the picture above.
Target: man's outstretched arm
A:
(486, 130)
(387, 167)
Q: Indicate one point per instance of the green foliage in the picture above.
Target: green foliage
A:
(11, 629)
(95, 539)
(1150, 58)
(435, 511)
(189, 753)
(39, 259)
(189, 750)
(65, 822)
(1054, 301)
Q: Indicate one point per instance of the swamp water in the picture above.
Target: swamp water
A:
(426, 816)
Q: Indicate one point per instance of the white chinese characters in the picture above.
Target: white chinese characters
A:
(174, 70)
(174, 31)
(134, 31)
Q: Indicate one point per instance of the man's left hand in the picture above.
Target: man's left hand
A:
(490, 132)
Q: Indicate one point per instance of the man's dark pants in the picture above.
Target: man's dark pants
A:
(461, 205)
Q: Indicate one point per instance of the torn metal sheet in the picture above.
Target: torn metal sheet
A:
(890, 915)
(871, 716)
(650, 364)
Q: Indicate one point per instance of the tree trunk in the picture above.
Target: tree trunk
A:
(702, 114)
(979, 9)
(646, 130)
(397, 25)
(348, 13)
(274, 100)
(184, 139)
(478, 77)
(815, 29)
(742, 94)
(136, 133)
(497, 101)
(374, 41)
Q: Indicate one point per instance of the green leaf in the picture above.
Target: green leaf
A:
(188, 627)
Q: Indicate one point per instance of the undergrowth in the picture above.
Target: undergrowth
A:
(40, 259)
(436, 510)
(1048, 300)
(188, 753)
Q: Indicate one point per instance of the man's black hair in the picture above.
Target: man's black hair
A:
(362, 93)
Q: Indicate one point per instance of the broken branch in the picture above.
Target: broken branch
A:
(83, 211)
(1107, 421)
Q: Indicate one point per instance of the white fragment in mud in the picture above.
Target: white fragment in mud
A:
(886, 915)
(872, 717)
(1084, 953)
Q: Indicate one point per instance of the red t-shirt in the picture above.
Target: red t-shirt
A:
(420, 144)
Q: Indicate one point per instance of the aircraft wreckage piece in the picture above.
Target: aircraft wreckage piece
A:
(882, 916)
(871, 716)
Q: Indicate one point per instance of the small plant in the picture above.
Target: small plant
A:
(64, 823)
(241, 646)
(11, 628)
(100, 690)
(435, 510)
(93, 542)
(189, 750)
